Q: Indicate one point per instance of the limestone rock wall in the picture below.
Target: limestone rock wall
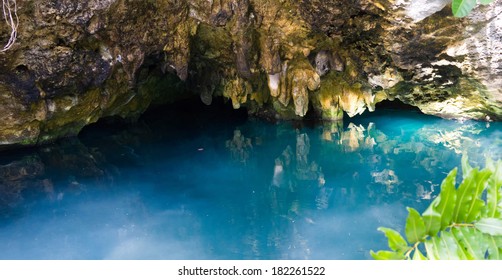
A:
(75, 62)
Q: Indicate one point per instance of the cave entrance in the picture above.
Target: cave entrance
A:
(395, 104)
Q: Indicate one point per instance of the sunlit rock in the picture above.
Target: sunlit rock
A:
(326, 61)
(237, 90)
(454, 61)
(386, 80)
(352, 101)
(420, 9)
(273, 84)
(300, 78)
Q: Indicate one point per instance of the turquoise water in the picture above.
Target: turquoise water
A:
(195, 185)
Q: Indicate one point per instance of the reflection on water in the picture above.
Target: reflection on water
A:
(169, 188)
(239, 146)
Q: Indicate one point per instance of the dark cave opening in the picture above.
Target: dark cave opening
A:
(191, 113)
(396, 104)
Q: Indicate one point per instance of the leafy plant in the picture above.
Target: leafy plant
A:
(463, 223)
(461, 8)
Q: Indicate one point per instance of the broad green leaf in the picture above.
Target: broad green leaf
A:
(493, 195)
(480, 182)
(498, 241)
(462, 252)
(418, 256)
(448, 247)
(396, 241)
(469, 203)
(461, 8)
(466, 167)
(471, 242)
(491, 226)
(386, 255)
(443, 247)
(485, 2)
(496, 169)
(446, 198)
(494, 247)
(432, 248)
(415, 227)
(493, 200)
(432, 220)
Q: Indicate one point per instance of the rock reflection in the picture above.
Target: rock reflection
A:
(239, 147)
(17, 176)
(423, 145)
(290, 174)
(68, 162)
(388, 178)
(354, 138)
(278, 178)
(424, 192)
(305, 169)
(464, 138)
(297, 182)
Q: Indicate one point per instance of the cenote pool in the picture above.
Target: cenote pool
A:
(193, 184)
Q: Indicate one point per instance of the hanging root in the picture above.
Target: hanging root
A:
(10, 16)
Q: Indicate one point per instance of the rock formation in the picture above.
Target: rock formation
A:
(75, 62)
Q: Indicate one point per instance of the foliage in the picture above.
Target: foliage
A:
(463, 223)
(461, 8)
(9, 8)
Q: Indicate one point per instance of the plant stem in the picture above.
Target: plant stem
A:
(461, 225)
(408, 253)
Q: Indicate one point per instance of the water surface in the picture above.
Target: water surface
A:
(197, 185)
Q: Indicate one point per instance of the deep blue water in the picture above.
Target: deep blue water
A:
(197, 185)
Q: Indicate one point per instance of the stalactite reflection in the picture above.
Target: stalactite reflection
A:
(239, 147)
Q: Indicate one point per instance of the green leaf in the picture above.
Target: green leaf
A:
(396, 241)
(448, 247)
(466, 167)
(432, 220)
(443, 247)
(496, 169)
(461, 8)
(462, 253)
(432, 248)
(494, 247)
(469, 203)
(386, 255)
(491, 226)
(494, 196)
(415, 227)
(471, 241)
(418, 256)
(485, 2)
(446, 198)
